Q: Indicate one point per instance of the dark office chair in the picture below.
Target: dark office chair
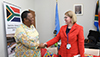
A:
(93, 38)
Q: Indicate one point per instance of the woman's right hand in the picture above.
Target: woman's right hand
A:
(41, 45)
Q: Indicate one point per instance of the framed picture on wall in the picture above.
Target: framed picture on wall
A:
(78, 9)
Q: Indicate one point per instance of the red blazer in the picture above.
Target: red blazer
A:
(76, 39)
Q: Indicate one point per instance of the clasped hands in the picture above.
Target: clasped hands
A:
(42, 45)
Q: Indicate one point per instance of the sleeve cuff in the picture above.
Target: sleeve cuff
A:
(45, 44)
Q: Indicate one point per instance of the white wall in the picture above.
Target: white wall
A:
(45, 14)
(25, 5)
(45, 18)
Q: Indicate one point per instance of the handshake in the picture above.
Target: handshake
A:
(42, 45)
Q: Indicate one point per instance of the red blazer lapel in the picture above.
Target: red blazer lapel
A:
(64, 30)
(73, 28)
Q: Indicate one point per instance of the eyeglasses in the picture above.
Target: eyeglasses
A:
(28, 19)
(65, 17)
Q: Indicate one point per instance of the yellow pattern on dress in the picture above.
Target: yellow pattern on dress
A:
(27, 40)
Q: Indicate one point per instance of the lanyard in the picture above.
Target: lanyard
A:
(67, 35)
(67, 38)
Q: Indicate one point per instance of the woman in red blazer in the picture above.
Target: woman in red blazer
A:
(71, 36)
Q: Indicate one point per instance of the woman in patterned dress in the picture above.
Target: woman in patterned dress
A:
(27, 37)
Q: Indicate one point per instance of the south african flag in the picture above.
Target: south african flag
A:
(13, 14)
(97, 16)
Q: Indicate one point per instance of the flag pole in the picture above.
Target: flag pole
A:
(56, 0)
(57, 26)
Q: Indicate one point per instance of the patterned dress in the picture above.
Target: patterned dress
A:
(27, 40)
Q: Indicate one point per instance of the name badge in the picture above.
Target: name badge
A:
(68, 46)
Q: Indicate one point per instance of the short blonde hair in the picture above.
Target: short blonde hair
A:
(72, 15)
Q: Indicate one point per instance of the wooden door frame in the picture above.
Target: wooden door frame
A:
(33, 13)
